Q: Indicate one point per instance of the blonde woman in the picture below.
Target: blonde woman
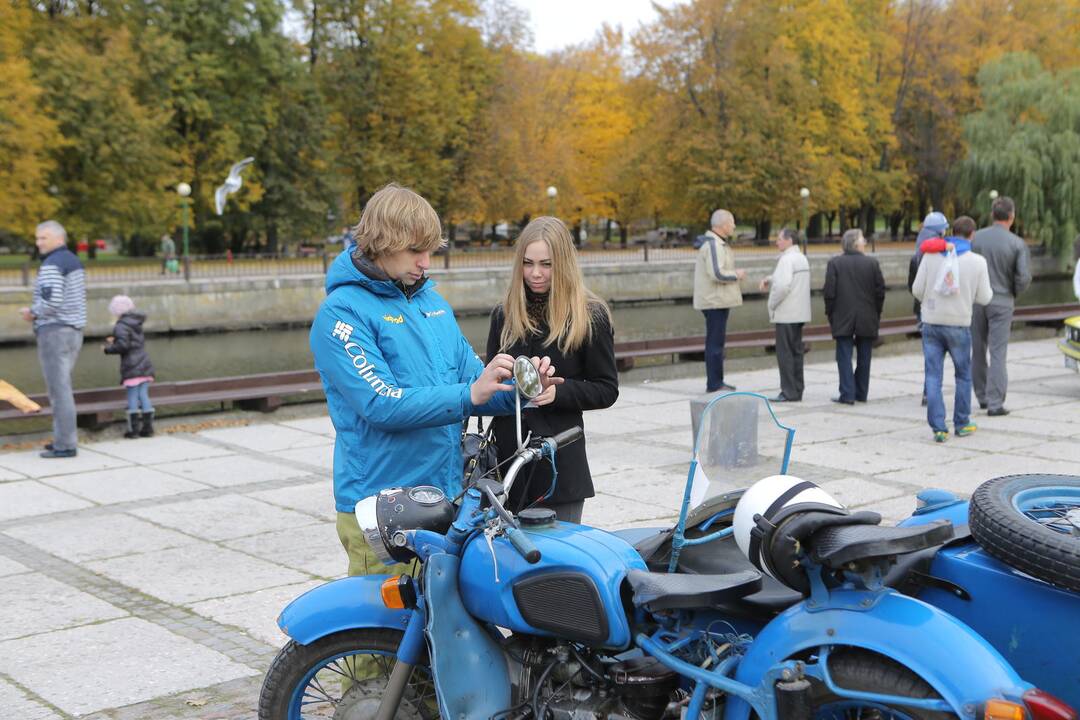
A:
(548, 311)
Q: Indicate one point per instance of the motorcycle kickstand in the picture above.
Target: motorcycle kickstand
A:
(395, 689)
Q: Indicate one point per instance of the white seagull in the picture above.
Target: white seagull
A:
(231, 184)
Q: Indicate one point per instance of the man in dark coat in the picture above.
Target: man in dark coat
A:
(854, 295)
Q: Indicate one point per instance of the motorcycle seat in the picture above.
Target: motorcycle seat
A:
(671, 591)
(837, 546)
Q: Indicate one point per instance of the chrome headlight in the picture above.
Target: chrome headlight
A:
(384, 517)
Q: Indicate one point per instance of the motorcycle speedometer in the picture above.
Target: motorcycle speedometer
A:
(427, 495)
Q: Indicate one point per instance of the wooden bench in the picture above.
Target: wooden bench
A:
(98, 406)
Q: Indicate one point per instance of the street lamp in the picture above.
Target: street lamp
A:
(804, 193)
(552, 193)
(184, 191)
(993, 195)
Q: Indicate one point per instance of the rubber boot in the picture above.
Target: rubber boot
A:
(132, 425)
(147, 424)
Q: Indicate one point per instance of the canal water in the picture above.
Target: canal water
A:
(208, 355)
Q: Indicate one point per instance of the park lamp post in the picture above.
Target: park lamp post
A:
(804, 193)
(993, 196)
(184, 191)
(552, 193)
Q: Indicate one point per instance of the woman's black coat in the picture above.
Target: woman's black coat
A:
(854, 295)
(130, 344)
(592, 383)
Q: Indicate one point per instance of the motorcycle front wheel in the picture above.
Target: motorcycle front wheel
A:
(866, 671)
(342, 677)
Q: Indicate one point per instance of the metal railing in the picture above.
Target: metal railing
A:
(206, 267)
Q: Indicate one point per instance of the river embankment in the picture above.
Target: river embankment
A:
(245, 303)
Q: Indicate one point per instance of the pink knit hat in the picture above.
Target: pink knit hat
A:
(121, 304)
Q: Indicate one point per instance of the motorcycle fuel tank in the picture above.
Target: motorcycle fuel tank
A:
(573, 592)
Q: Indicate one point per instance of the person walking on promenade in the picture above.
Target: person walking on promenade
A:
(946, 326)
(854, 295)
(547, 310)
(168, 252)
(136, 370)
(789, 310)
(934, 225)
(716, 291)
(1010, 274)
(58, 312)
(400, 378)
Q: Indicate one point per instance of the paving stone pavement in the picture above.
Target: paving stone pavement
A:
(142, 579)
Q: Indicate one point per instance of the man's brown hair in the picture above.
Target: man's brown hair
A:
(396, 219)
(964, 227)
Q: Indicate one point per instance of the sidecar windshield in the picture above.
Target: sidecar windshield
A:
(738, 441)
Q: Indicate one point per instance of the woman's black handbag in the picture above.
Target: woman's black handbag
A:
(479, 452)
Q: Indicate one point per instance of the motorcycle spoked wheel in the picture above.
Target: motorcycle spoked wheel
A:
(866, 671)
(1021, 520)
(342, 677)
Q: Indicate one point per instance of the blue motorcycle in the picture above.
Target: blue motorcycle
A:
(774, 601)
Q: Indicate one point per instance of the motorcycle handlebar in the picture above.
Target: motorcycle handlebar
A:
(566, 437)
(523, 545)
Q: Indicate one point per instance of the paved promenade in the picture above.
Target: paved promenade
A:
(142, 578)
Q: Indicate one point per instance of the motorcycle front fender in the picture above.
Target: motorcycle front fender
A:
(958, 663)
(346, 604)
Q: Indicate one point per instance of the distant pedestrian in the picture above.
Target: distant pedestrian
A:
(168, 253)
(947, 326)
(1076, 269)
(58, 312)
(854, 296)
(934, 225)
(1010, 274)
(716, 291)
(136, 370)
(789, 310)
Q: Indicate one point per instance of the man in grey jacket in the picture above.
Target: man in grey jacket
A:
(1010, 274)
(789, 310)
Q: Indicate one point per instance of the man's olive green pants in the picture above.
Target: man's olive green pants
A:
(361, 560)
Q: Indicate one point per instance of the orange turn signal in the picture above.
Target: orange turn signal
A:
(1003, 710)
(398, 592)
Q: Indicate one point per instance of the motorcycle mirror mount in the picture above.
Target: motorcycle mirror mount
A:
(527, 380)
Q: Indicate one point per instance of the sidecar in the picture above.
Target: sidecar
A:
(1011, 574)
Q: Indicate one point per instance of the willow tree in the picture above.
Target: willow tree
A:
(1025, 143)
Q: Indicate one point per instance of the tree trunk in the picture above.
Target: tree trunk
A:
(607, 233)
(830, 216)
(895, 219)
(624, 234)
(813, 226)
(843, 219)
(271, 238)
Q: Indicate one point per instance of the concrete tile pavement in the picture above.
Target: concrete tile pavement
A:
(155, 568)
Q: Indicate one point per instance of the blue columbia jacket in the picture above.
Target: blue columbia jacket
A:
(397, 372)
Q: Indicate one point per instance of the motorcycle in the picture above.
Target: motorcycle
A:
(774, 601)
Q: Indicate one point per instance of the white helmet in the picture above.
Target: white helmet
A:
(774, 499)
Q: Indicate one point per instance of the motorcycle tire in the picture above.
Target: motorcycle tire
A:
(865, 671)
(1019, 520)
(294, 680)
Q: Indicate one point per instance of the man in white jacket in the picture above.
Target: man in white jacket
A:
(946, 327)
(789, 310)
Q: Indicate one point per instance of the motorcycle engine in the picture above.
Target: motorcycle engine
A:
(562, 682)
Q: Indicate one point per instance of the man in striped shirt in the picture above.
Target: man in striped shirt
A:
(58, 312)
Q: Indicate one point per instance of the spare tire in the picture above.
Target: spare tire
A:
(1021, 520)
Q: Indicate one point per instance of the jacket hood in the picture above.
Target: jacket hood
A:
(363, 272)
(134, 320)
(962, 245)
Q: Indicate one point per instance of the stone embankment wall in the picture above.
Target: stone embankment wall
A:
(246, 303)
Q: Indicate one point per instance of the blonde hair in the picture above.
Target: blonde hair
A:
(396, 219)
(570, 307)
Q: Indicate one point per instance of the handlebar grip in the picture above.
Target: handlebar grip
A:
(567, 437)
(523, 545)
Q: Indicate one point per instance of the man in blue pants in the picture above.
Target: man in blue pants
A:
(716, 291)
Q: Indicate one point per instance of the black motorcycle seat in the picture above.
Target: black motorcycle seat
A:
(834, 547)
(670, 591)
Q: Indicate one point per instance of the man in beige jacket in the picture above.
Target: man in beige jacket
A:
(789, 310)
(716, 291)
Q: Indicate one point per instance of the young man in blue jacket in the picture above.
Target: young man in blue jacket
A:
(399, 376)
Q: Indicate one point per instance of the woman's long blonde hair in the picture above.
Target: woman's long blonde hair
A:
(570, 306)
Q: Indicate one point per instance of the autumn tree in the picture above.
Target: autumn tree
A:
(1025, 143)
(28, 135)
